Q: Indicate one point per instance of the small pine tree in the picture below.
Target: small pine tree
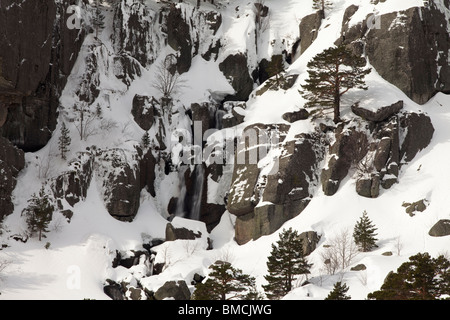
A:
(64, 141)
(225, 283)
(332, 73)
(39, 213)
(339, 292)
(364, 233)
(285, 262)
(145, 142)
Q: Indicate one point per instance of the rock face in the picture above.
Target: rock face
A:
(284, 190)
(40, 56)
(12, 160)
(309, 28)
(410, 49)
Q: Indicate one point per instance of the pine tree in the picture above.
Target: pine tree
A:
(64, 141)
(285, 262)
(332, 73)
(364, 233)
(339, 292)
(39, 213)
(420, 278)
(225, 283)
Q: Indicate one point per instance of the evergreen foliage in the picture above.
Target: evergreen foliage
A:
(364, 233)
(39, 213)
(332, 73)
(420, 278)
(285, 262)
(225, 283)
(339, 292)
(64, 141)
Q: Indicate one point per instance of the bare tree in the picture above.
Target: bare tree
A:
(340, 252)
(85, 117)
(167, 79)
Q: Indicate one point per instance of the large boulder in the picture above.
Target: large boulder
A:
(440, 229)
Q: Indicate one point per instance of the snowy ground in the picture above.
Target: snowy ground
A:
(78, 260)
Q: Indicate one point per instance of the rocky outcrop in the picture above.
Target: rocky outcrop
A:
(235, 67)
(264, 198)
(41, 53)
(12, 161)
(410, 49)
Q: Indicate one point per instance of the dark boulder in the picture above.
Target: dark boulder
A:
(113, 290)
(292, 117)
(177, 290)
(380, 114)
(440, 229)
(144, 110)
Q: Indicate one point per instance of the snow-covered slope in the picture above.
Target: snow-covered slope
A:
(79, 257)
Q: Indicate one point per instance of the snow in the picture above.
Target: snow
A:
(79, 258)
